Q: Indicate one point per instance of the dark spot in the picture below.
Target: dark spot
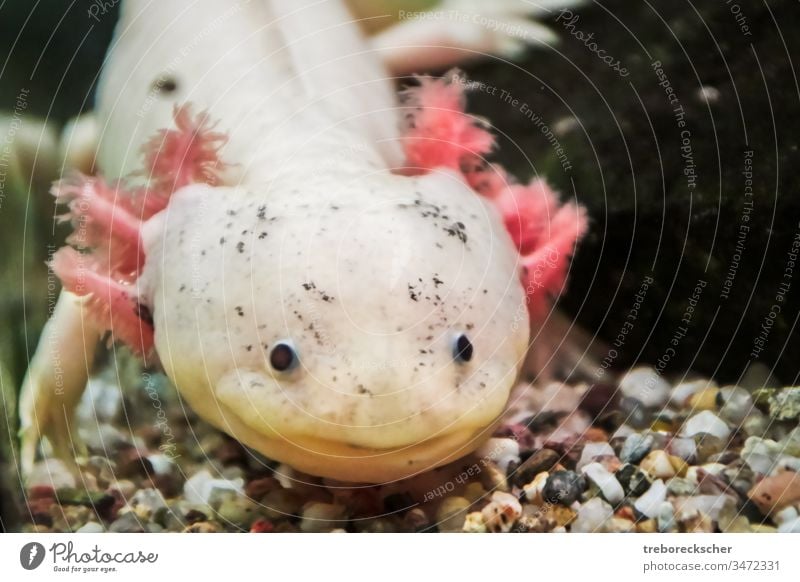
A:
(412, 293)
(239, 311)
(222, 241)
(240, 247)
(437, 281)
(458, 230)
(309, 286)
(262, 236)
(165, 85)
(262, 213)
(143, 312)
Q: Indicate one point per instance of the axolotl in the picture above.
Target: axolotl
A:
(333, 276)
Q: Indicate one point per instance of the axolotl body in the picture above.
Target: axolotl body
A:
(332, 291)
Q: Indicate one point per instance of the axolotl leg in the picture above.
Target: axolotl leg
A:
(457, 31)
(100, 295)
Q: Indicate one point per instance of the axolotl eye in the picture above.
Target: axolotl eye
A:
(462, 348)
(283, 356)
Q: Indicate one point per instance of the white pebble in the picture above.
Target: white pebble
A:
(502, 512)
(500, 451)
(51, 473)
(684, 448)
(605, 481)
(706, 422)
(791, 526)
(786, 514)
(761, 455)
(322, 517)
(710, 505)
(201, 486)
(649, 504)
(737, 404)
(647, 386)
(681, 393)
(92, 528)
(591, 451)
(593, 516)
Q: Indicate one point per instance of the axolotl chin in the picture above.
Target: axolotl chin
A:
(337, 280)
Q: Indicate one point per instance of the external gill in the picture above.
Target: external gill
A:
(106, 256)
(441, 135)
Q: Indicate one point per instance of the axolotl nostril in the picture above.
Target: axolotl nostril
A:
(307, 291)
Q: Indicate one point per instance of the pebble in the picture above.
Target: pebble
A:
(451, 514)
(593, 516)
(203, 489)
(665, 519)
(147, 502)
(658, 465)
(710, 505)
(792, 526)
(502, 512)
(790, 444)
(92, 527)
(772, 494)
(735, 404)
(647, 386)
(705, 399)
(128, 523)
(539, 462)
(564, 487)
(591, 451)
(634, 481)
(501, 451)
(785, 404)
(606, 482)
(761, 455)
(681, 393)
(678, 486)
(534, 491)
(51, 473)
(322, 517)
(636, 448)
(474, 523)
(706, 422)
(683, 448)
(649, 504)
(634, 413)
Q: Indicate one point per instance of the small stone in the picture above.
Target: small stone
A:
(51, 473)
(791, 526)
(735, 404)
(281, 504)
(705, 399)
(131, 464)
(634, 413)
(710, 505)
(680, 394)
(501, 451)
(128, 523)
(756, 424)
(730, 520)
(203, 489)
(649, 504)
(147, 502)
(708, 446)
(416, 520)
(658, 465)
(645, 385)
(683, 448)
(539, 462)
(562, 516)
(502, 512)
(593, 516)
(772, 494)
(636, 448)
(592, 451)
(678, 487)
(620, 525)
(634, 481)
(790, 444)
(762, 455)
(322, 517)
(240, 512)
(203, 527)
(564, 487)
(92, 527)
(474, 523)
(785, 404)
(534, 491)
(262, 525)
(706, 422)
(451, 514)
(606, 482)
(666, 518)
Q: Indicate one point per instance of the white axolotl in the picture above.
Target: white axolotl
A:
(339, 293)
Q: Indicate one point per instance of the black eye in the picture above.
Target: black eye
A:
(462, 351)
(283, 357)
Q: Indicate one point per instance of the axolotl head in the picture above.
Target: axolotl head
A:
(364, 330)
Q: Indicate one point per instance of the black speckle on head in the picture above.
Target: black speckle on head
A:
(262, 236)
(143, 313)
(262, 213)
(458, 230)
(239, 311)
(222, 241)
(165, 85)
(412, 293)
(240, 247)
